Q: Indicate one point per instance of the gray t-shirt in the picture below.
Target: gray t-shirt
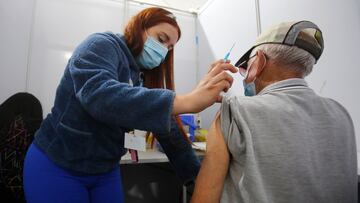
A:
(288, 144)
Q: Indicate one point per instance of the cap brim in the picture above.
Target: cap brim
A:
(244, 57)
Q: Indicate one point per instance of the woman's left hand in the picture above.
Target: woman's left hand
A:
(208, 90)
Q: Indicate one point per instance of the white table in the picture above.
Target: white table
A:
(155, 156)
(150, 156)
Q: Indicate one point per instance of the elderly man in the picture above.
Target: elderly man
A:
(286, 144)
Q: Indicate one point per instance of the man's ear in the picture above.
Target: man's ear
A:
(257, 66)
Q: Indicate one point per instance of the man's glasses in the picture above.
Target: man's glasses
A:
(244, 65)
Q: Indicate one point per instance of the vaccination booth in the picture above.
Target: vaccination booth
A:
(38, 37)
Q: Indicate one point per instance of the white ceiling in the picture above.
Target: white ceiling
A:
(193, 6)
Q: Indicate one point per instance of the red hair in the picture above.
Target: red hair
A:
(163, 75)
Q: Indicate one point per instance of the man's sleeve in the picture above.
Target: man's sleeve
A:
(231, 127)
(180, 153)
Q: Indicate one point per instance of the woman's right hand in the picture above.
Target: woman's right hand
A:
(207, 91)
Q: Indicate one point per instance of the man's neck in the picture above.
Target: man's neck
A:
(273, 74)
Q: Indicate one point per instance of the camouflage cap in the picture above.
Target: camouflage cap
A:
(302, 34)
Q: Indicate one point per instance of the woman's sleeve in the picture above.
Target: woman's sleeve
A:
(180, 154)
(94, 70)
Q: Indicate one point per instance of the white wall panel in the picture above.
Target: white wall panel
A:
(15, 23)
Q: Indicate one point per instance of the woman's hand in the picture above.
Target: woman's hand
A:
(207, 91)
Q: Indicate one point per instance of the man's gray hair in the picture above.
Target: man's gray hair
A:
(290, 57)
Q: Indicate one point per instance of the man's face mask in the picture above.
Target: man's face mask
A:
(152, 55)
(250, 88)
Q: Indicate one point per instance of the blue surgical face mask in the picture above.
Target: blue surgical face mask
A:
(152, 55)
(249, 89)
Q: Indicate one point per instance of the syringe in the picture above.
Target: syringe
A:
(225, 59)
(228, 54)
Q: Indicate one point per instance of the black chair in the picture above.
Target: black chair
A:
(20, 117)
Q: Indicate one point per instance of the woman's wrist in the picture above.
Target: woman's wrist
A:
(182, 104)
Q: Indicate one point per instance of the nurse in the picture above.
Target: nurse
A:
(112, 84)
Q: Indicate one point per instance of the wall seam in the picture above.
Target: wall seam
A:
(258, 18)
(32, 24)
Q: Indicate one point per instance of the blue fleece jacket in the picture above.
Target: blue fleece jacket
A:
(99, 98)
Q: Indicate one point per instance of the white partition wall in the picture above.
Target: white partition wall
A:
(336, 75)
(221, 24)
(15, 22)
(185, 54)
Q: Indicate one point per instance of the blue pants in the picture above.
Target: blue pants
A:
(45, 182)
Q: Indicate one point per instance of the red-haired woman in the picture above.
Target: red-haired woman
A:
(114, 83)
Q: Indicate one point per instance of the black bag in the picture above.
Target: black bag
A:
(20, 117)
